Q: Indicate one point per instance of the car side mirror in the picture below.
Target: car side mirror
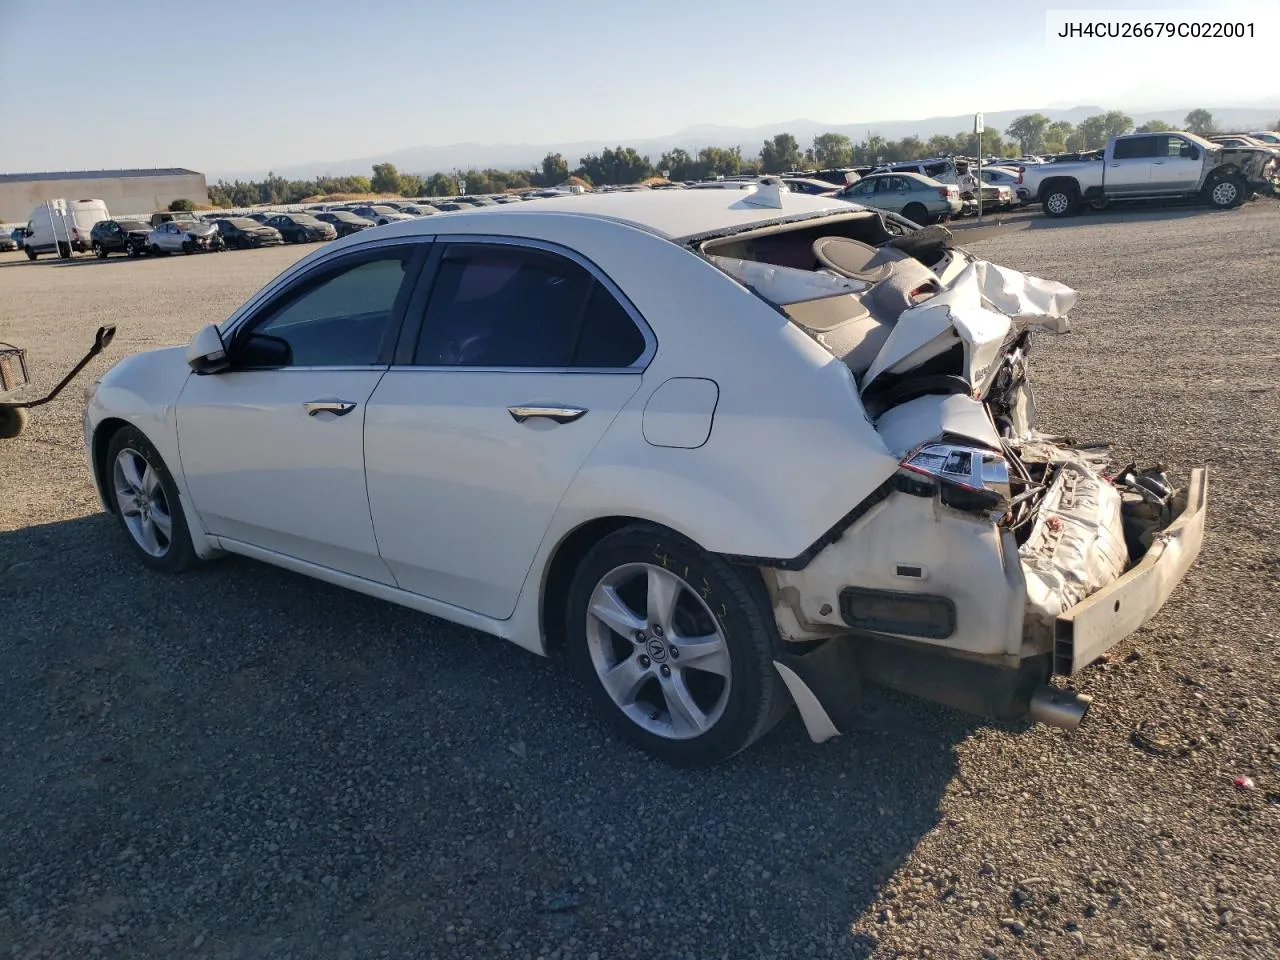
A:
(207, 353)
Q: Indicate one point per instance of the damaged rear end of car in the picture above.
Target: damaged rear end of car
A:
(996, 558)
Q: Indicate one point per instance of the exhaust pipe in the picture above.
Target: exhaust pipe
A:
(1059, 708)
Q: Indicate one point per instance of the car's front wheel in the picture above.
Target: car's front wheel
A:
(1227, 192)
(146, 502)
(675, 645)
(98, 251)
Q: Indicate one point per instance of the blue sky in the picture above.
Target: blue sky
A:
(237, 85)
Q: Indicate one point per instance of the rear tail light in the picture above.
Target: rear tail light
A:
(970, 478)
(943, 192)
(1019, 180)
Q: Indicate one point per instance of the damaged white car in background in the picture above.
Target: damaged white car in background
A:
(732, 450)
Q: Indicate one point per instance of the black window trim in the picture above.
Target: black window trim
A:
(294, 284)
(416, 312)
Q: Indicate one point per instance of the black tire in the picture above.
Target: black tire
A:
(12, 420)
(64, 251)
(1227, 192)
(733, 601)
(98, 251)
(31, 254)
(917, 213)
(188, 247)
(179, 553)
(1060, 201)
(132, 251)
(155, 250)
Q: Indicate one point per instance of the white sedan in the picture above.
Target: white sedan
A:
(732, 451)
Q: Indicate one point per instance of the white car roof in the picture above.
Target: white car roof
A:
(674, 214)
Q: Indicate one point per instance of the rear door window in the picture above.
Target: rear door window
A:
(503, 305)
(1135, 148)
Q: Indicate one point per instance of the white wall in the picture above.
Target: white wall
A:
(121, 194)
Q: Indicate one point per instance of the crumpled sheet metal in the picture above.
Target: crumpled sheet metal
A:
(1076, 544)
(983, 306)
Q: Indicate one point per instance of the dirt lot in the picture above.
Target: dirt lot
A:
(244, 763)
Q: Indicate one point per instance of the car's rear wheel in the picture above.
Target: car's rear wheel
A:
(98, 252)
(188, 246)
(147, 503)
(64, 251)
(1060, 202)
(675, 645)
(916, 213)
(31, 254)
(1227, 192)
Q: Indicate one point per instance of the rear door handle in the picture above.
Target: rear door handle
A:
(559, 414)
(339, 407)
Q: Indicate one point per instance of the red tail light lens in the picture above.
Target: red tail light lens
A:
(1019, 180)
(944, 192)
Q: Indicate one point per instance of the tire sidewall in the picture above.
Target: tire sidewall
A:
(749, 632)
(1069, 198)
(1235, 201)
(924, 220)
(181, 553)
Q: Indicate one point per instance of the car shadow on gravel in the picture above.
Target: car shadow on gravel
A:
(249, 758)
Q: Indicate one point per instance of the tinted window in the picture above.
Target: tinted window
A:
(341, 318)
(498, 305)
(1135, 148)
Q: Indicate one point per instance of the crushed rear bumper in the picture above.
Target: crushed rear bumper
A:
(1085, 632)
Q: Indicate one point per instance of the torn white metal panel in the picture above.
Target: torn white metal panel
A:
(785, 285)
(908, 425)
(1076, 546)
(979, 309)
(914, 545)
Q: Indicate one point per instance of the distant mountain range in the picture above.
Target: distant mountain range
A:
(429, 158)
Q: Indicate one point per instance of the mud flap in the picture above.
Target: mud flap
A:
(826, 685)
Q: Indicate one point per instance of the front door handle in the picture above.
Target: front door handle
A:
(559, 414)
(339, 407)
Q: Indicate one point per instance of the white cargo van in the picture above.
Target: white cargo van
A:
(61, 226)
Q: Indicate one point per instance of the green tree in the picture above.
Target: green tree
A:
(441, 185)
(967, 143)
(940, 145)
(679, 165)
(1056, 136)
(779, 154)
(1029, 130)
(555, 170)
(1117, 124)
(386, 179)
(1200, 121)
(912, 148)
(1093, 132)
(183, 204)
(612, 166)
(1153, 126)
(832, 150)
(720, 161)
(410, 185)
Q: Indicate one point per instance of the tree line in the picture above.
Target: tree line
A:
(1031, 133)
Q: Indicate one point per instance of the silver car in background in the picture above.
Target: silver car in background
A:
(184, 236)
(918, 198)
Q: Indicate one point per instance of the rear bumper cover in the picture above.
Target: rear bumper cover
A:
(1096, 624)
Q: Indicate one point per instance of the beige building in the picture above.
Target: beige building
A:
(125, 192)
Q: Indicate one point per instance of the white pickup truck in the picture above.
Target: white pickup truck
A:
(1150, 166)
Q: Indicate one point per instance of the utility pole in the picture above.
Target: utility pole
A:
(978, 128)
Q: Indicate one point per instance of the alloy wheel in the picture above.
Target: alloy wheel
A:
(142, 502)
(1058, 203)
(1224, 193)
(658, 651)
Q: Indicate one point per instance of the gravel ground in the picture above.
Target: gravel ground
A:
(241, 762)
